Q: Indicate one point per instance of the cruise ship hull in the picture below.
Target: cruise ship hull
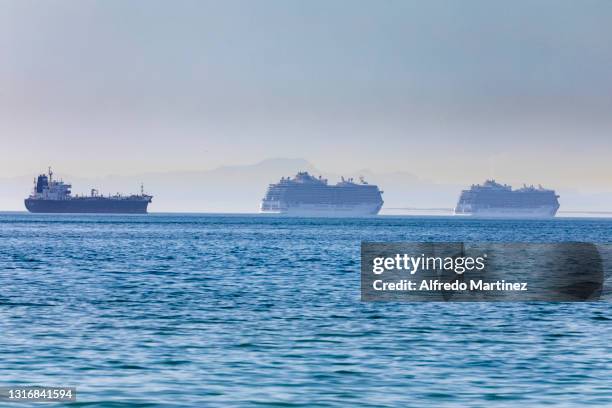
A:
(87, 205)
(535, 212)
(322, 210)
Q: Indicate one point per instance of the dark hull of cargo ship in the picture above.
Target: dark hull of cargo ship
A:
(87, 205)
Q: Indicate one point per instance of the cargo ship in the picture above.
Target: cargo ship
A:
(492, 199)
(55, 196)
(309, 196)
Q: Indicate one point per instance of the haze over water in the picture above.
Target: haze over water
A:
(450, 92)
(207, 102)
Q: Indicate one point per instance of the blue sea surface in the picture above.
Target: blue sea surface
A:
(228, 310)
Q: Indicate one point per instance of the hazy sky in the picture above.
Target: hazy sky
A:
(453, 91)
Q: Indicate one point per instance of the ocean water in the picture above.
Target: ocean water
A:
(203, 310)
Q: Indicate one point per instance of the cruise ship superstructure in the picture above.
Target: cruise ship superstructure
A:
(55, 196)
(309, 196)
(492, 199)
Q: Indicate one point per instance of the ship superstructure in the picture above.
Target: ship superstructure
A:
(306, 195)
(55, 196)
(492, 199)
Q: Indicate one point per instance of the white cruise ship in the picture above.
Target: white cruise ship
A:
(492, 199)
(308, 196)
